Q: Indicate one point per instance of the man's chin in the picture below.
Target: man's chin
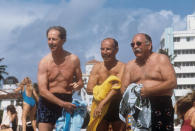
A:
(107, 60)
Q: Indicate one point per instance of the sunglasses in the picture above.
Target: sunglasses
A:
(137, 43)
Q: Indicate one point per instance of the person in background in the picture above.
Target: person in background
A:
(29, 102)
(13, 119)
(185, 110)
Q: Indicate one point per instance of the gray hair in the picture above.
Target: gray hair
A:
(61, 29)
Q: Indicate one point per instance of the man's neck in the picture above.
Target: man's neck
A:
(142, 60)
(110, 64)
(59, 56)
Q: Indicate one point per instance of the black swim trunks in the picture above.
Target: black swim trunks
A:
(162, 117)
(112, 114)
(48, 112)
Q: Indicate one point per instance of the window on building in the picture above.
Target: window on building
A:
(12, 102)
(187, 38)
(185, 75)
(189, 51)
(176, 39)
(191, 86)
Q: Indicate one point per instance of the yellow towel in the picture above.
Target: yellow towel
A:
(99, 93)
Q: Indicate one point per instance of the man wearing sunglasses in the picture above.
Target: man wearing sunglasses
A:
(155, 72)
(101, 72)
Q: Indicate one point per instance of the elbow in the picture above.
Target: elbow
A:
(42, 93)
(174, 83)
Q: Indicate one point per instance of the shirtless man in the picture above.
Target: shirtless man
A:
(157, 75)
(100, 72)
(55, 79)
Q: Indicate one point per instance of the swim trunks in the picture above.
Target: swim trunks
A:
(162, 116)
(112, 114)
(48, 112)
(27, 99)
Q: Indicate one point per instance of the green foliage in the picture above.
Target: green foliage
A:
(2, 70)
(166, 52)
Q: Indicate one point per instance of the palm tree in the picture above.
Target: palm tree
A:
(2, 71)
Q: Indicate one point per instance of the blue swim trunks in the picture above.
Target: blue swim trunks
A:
(48, 112)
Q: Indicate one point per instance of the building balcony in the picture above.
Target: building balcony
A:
(184, 58)
(184, 45)
(185, 81)
(181, 92)
(185, 69)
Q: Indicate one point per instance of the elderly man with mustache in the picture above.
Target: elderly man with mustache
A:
(155, 72)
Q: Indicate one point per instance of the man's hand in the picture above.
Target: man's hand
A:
(74, 86)
(144, 92)
(69, 107)
(98, 110)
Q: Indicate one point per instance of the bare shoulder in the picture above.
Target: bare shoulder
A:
(160, 57)
(73, 57)
(130, 64)
(121, 65)
(45, 60)
(97, 66)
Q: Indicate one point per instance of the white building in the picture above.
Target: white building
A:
(7, 96)
(181, 44)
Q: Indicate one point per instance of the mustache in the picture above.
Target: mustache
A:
(138, 50)
(51, 45)
(105, 55)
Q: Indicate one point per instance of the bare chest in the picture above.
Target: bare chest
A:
(60, 72)
(147, 72)
(104, 74)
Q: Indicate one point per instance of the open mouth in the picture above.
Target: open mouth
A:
(51, 46)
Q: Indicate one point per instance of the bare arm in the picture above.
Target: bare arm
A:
(35, 95)
(43, 89)
(79, 83)
(20, 87)
(93, 79)
(13, 117)
(168, 82)
(126, 78)
(193, 121)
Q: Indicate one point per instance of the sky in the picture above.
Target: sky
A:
(23, 25)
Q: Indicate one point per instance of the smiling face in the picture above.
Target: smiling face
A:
(140, 45)
(108, 50)
(54, 41)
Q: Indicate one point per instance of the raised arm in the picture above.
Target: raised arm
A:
(20, 87)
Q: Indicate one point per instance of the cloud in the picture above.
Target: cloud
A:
(87, 23)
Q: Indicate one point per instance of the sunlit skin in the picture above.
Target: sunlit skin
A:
(55, 75)
(153, 70)
(54, 41)
(27, 109)
(100, 72)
